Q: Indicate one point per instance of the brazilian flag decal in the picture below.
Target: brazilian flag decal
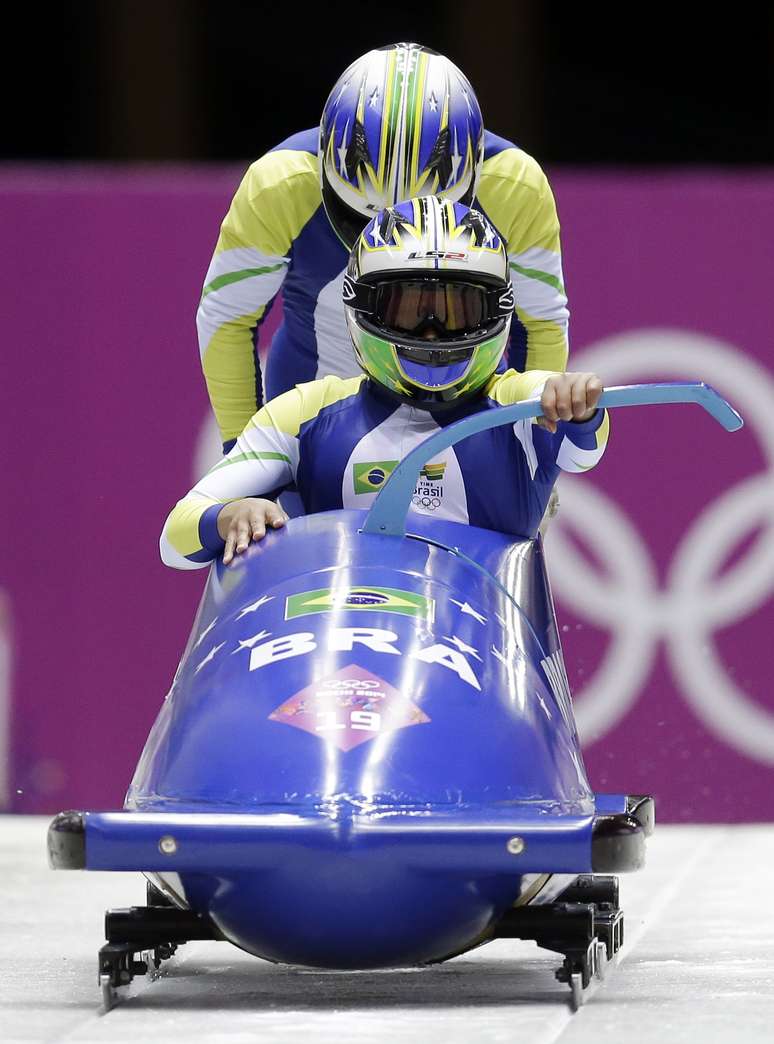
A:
(359, 599)
(371, 476)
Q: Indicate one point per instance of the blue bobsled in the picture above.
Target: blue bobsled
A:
(368, 756)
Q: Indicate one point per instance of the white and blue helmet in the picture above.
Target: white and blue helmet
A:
(401, 122)
(428, 301)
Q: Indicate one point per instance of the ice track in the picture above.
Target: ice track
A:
(698, 965)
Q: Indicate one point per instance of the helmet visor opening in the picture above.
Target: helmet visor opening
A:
(432, 309)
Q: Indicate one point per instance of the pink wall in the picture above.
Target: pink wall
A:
(103, 402)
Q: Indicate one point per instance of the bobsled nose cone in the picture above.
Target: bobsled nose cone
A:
(334, 911)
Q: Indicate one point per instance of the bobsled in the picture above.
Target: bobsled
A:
(368, 757)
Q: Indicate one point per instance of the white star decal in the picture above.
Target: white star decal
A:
(433, 103)
(489, 235)
(342, 151)
(255, 605)
(515, 654)
(456, 159)
(469, 610)
(467, 101)
(374, 98)
(210, 655)
(500, 656)
(204, 633)
(248, 643)
(462, 646)
(343, 88)
(504, 624)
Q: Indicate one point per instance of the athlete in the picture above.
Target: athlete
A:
(401, 122)
(429, 305)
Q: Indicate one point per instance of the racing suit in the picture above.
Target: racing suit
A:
(337, 440)
(276, 236)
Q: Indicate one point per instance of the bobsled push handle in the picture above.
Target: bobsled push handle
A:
(388, 513)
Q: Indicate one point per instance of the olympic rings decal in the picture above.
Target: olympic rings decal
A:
(428, 503)
(696, 599)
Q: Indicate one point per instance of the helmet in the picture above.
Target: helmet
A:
(402, 121)
(428, 301)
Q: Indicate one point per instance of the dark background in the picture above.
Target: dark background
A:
(211, 80)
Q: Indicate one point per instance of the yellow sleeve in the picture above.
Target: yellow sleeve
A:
(575, 447)
(512, 387)
(265, 458)
(277, 196)
(516, 195)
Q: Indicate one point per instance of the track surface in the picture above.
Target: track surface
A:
(698, 965)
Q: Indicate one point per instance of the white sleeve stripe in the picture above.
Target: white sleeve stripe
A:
(245, 479)
(233, 301)
(523, 432)
(572, 458)
(173, 558)
(548, 261)
(262, 459)
(539, 301)
(538, 286)
(238, 260)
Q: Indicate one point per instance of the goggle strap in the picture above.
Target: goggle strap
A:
(505, 303)
(362, 297)
(359, 296)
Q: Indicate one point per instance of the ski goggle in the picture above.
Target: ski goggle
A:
(414, 307)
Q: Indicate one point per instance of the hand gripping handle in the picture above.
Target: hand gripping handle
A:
(388, 513)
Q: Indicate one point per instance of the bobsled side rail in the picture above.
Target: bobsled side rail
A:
(211, 842)
(387, 516)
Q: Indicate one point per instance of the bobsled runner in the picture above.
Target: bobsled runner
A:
(368, 756)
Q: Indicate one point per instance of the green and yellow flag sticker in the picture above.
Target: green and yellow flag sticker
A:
(359, 599)
(433, 472)
(371, 476)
